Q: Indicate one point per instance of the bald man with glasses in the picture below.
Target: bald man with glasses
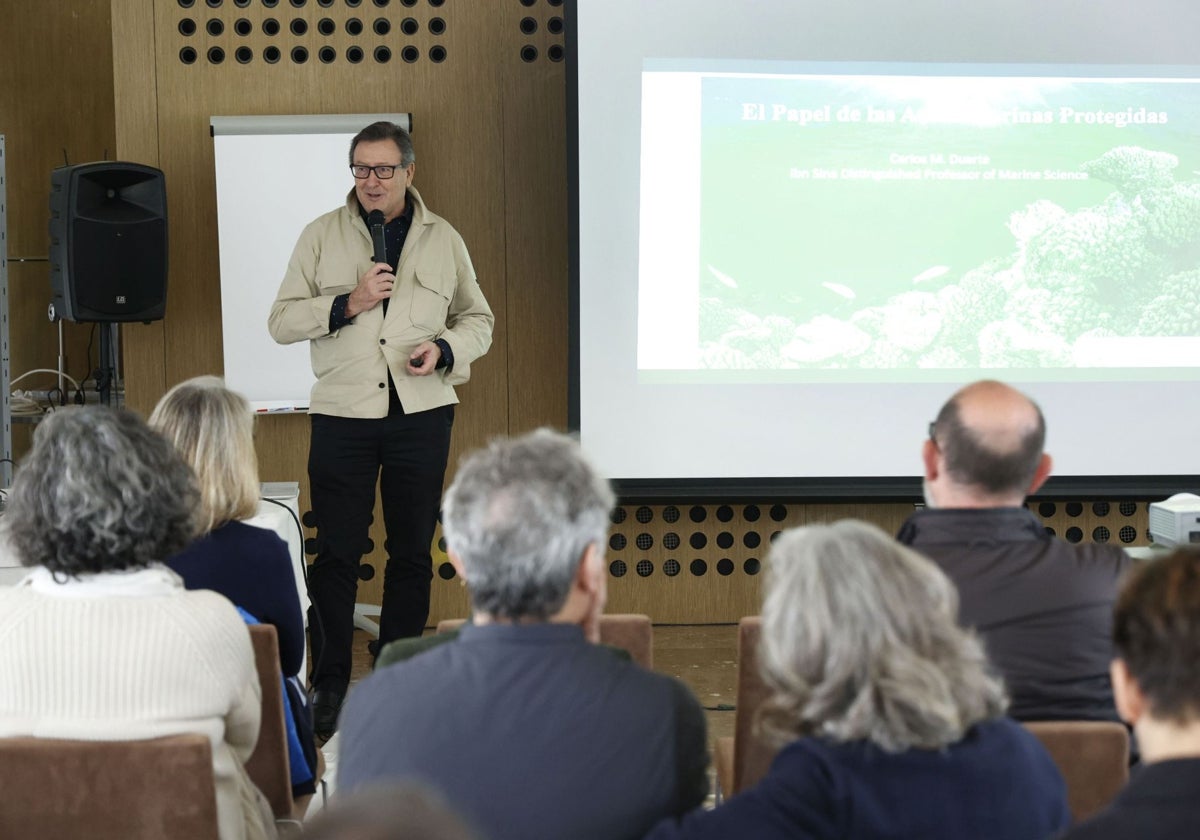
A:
(389, 341)
(1042, 605)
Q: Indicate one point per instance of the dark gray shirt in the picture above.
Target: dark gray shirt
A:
(1043, 606)
(531, 732)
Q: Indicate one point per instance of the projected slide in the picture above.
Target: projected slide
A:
(835, 225)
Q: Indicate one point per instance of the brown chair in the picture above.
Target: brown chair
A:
(108, 790)
(268, 765)
(1093, 757)
(629, 631)
(742, 761)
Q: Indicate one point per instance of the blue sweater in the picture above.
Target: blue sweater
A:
(997, 783)
(252, 568)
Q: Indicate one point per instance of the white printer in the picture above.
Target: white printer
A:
(1176, 521)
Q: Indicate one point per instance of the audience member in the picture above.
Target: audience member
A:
(101, 641)
(890, 723)
(212, 427)
(527, 728)
(401, 812)
(1156, 680)
(1043, 606)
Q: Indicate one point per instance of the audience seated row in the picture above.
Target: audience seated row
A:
(881, 713)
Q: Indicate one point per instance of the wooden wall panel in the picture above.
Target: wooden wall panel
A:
(535, 180)
(51, 111)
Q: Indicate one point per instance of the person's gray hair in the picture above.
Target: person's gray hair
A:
(861, 642)
(100, 491)
(519, 515)
(384, 130)
(403, 810)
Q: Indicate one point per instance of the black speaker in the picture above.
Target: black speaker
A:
(108, 242)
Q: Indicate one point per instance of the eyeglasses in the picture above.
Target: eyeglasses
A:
(383, 173)
(933, 432)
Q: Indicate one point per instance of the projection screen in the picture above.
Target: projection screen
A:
(798, 227)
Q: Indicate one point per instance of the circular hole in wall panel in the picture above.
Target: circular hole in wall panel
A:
(617, 542)
(529, 53)
(270, 27)
(354, 26)
(670, 514)
(187, 27)
(410, 54)
(299, 55)
(618, 515)
(309, 519)
(1047, 509)
(327, 55)
(270, 4)
(326, 26)
(671, 568)
(528, 25)
(751, 513)
(1100, 508)
(243, 27)
(724, 513)
(670, 541)
(725, 540)
(1127, 534)
(381, 26)
(1128, 508)
(216, 55)
(725, 567)
(437, 54)
(366, 571)
(778, 513)
(1101, 534)
(1074, 509)
(644, 568)
(697, 513)
(298, 4)
(644, 542)
(697, 540)
(1074, 534)
(243, 55)
(556, 52)
(643, 514)
(215, 27)
(354, 55)
(555, 25)
(1051, 532)
(698, 567)
(186, 4)
(436, 3)
(445, 571)
(213, 4)
(752, 566)
(617, 568)
(271, 55)
(437, 26)
(752, 539)
(310, 545)
(382, 55)
(299, 26)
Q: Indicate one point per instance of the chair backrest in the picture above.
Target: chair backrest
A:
(108, 790)
(752, 755)
(268, 765)
(1093, 757)
(631, 632)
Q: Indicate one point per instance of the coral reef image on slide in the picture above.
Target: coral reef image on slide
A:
(947, 222)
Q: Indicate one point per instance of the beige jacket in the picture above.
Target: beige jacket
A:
(436, 296)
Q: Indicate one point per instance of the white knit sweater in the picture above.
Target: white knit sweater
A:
(131, 655)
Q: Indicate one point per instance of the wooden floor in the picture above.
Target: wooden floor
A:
(703, 656)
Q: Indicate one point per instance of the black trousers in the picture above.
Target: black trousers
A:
(406, 454)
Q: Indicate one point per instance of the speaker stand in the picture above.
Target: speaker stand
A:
(106, 373)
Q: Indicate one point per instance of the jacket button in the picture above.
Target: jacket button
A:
(383, 341)
(382, 384)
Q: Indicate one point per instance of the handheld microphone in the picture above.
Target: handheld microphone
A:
(375, 223)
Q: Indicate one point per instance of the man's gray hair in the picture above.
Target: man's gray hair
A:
(100, 491)
(520, 515)
(861, 642)
(384, 130)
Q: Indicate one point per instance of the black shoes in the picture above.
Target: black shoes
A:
(326, 705)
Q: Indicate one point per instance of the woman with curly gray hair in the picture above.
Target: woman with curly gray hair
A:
(101, 641)
(889, 721)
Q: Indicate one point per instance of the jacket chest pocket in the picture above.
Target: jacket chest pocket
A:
(431, 294)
